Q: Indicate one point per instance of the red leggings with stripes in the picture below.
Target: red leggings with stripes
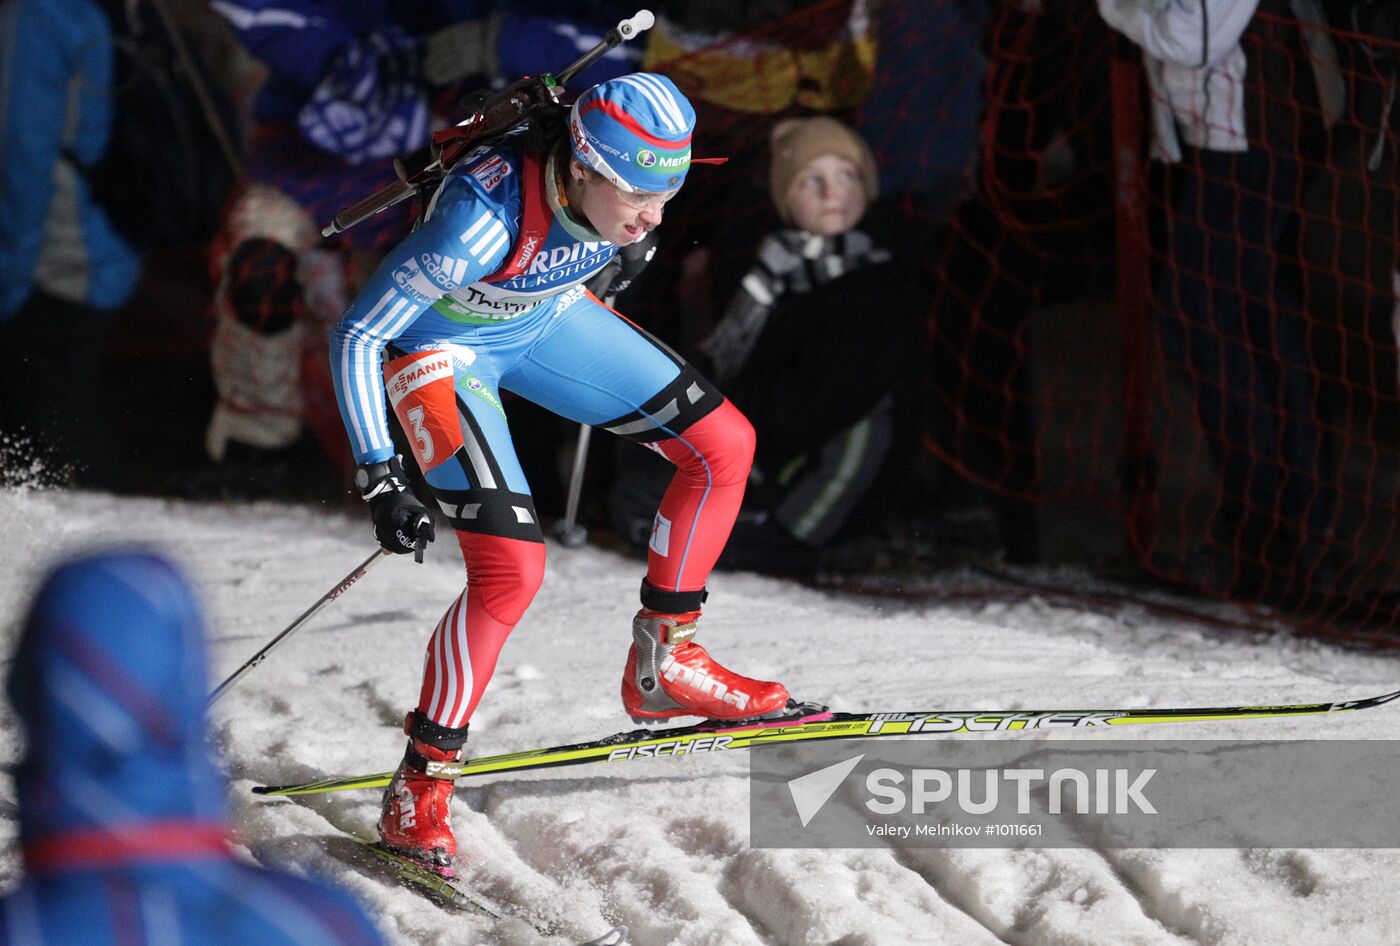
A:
(712, 458)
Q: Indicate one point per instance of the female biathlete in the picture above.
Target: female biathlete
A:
(487, 294)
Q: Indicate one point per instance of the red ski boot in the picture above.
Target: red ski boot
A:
(415, 819)
(670, 675)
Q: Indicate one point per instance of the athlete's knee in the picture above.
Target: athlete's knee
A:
(723, 442)
(503, 574)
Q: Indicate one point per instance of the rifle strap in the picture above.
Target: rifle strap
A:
(534, 223)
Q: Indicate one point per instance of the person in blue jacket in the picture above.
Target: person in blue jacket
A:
(64, 270)
(121, 812)
(487, 295)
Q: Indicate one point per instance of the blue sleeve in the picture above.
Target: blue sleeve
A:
(41, 50)
(466, 237)
(94, 128)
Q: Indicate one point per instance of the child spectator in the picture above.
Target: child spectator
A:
(814, 346)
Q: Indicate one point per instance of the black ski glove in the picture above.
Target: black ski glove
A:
(400, 520)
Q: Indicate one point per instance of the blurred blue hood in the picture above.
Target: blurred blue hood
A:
(109, 681)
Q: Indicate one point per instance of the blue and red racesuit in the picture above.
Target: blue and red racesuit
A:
(449, 340)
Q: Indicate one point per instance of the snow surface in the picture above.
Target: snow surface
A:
(662, 845)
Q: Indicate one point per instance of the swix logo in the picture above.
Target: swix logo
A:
(673, 671)
(528, 245)
(675, 747)
(344, 586)
(660, 541)
(990, 722)
(580, 140)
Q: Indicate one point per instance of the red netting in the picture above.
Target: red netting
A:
(1263, 305)
(1192, 364)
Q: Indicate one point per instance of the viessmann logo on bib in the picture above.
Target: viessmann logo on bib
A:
(417, 374)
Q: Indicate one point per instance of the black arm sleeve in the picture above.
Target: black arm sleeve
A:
(828, 357)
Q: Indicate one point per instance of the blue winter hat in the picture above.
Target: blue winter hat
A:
(635, 131)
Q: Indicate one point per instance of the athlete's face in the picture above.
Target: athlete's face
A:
(619, 217)
(827, 196)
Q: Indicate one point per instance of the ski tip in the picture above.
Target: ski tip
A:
(278, 790)
(436, 861)
(617, 936)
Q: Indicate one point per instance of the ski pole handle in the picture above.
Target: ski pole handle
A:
(639, 22)
(419, 545)
(327, 598)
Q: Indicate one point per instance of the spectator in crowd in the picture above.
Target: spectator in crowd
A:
(745, 65)
(64, 270)
(122, 822)
(350, 87)
(1237, 117)
(816, 344)
(1036, 230)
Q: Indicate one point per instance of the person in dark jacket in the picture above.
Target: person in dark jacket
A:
(122, 814)
(815, 345)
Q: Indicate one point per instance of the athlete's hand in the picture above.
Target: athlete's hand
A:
(613, 279)
(634, 258)
(400, 520)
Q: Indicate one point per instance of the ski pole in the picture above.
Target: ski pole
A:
(567, 530)
(306, 615)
